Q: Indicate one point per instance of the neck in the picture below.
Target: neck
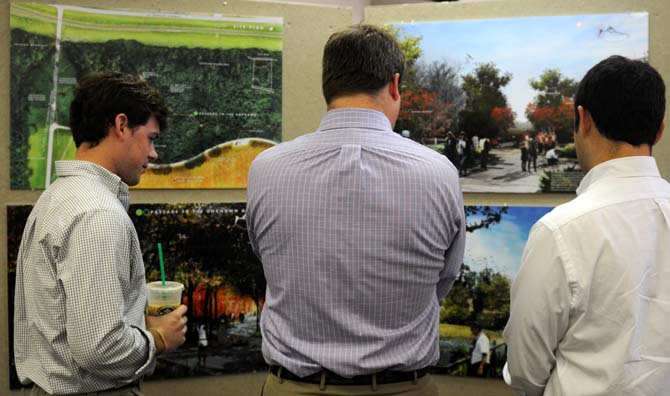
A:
(360, 101)
(97, 155)
(612, 150)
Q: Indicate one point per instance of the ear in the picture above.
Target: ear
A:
(659, 134)
(120, 128)
(394, 87)
(585, 121)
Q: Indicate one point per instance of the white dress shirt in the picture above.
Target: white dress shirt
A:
(481, 348)
(361, 233)
(590, 307)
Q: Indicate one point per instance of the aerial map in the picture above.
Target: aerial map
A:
(221, 77)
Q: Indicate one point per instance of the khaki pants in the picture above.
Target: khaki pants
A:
(425, 386)
(127, 391)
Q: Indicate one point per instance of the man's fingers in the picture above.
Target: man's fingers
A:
(181, 310)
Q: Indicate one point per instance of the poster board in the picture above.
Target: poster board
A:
(220, 77)
(207, 249)
(496, 95)
(306, 31)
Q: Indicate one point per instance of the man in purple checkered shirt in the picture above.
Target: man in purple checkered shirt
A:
(361, 233)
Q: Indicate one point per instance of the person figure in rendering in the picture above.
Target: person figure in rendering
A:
(462, 155)
(361, 234)
(485, 144)
(532, 153)
(524, 155)
(479, 359)
(450, 147)
(202, 345)
(589, 306)
(79, 322)
(551, 156)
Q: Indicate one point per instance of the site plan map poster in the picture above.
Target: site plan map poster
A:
(221, 77)
(496, 95)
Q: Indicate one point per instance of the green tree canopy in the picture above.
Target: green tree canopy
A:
(552, 109)
(553, 88)
(483, 89)
(411, 49)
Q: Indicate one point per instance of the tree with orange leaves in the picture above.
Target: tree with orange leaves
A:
(552, 109)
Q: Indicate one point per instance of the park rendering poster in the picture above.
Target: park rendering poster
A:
(495, 239)
(496, 95)
(220, 76)
(206, 248)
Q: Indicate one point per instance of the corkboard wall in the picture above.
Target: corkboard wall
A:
(307, 28)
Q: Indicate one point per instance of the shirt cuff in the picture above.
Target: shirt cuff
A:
(150, 365)
(506, 376)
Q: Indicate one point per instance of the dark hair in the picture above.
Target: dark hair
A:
(100, 97)
(626, 99)
(360, 59)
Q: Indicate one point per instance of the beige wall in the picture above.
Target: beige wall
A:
(307, 27)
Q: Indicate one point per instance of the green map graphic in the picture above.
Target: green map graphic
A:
(220, 76)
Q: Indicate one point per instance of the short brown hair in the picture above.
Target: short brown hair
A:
(360, 59)
(100, 97)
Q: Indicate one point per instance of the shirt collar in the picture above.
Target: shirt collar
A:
(358, 118)
(620, 167)
(88, 169)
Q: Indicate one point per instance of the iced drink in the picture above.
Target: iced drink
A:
(163, 299)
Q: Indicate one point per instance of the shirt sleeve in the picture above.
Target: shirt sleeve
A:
(453, 258)
(484, 345)
(93, 264)
(251, 207)
(539, 313)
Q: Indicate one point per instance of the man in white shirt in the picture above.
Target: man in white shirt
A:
(480, 352)
(589, 308)
(552, 156)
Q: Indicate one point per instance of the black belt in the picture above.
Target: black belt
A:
(382, 377)
(132, 385)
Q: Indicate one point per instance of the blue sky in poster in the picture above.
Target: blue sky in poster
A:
(500, 246)
(527, 46)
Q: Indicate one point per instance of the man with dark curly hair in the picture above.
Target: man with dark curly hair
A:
(79, 320)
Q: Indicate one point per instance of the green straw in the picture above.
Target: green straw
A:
(160, 259)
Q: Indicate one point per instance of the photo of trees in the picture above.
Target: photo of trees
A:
(206, 247)
(220, 76)
(496, 95)
(495, 239)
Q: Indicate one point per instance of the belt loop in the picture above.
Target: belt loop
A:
(416, 377)
(281, 380)
(374, 381)
(322, 385)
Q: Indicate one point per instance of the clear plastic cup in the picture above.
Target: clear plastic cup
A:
(163, 299)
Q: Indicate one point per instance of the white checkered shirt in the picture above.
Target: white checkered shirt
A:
(80, 287)
(361, 233)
